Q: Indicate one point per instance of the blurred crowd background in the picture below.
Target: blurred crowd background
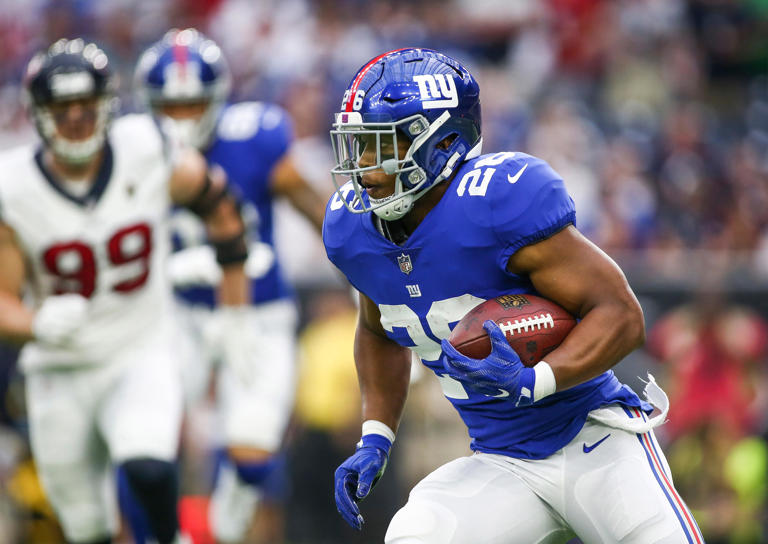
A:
(654, 111)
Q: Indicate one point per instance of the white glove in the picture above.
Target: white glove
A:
(232, 331)
(197, 265)
(194, 266)
(59, 319)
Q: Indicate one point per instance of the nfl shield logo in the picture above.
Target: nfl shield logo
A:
(404, 261)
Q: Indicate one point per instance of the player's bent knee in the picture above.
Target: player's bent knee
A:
(625, 506)
(149, 474)
(255, 472)
(421, 522)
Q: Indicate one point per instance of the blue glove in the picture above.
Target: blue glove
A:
(358, 474)
(501, 374)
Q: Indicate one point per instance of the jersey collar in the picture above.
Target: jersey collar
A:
(96, 190)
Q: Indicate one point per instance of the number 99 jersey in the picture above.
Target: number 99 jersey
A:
(109, 245)
(454, 260)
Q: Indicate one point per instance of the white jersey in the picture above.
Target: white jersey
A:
(109, 245)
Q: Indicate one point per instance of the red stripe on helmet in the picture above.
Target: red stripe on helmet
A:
(361, 75)
(180, 55)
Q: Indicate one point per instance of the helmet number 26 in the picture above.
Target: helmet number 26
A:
(357, 100)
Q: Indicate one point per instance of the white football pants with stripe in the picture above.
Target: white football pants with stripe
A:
(607, 485)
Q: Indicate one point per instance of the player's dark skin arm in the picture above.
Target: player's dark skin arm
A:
(383, 368)
(286, 181)
(222, 223)
(570, 270)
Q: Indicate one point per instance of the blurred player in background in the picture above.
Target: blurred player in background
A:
(426, 229)
(84, 226)
(185, 81)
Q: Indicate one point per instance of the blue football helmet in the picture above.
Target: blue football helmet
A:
(419, 95)
(70, 70)
(184, 67)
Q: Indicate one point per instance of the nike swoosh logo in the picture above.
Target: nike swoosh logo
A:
(588, 449)
(513, 179)
(502, 394)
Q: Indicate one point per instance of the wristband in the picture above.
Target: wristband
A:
(372, 426)
(545, 383)
(233, 250)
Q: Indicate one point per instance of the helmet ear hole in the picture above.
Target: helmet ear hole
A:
(446, 142)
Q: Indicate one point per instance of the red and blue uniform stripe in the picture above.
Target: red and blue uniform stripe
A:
(361, 74)
(684, 516)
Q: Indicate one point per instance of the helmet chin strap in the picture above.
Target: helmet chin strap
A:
(391, 208)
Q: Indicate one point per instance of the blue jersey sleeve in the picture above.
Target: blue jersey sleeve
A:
(266, 129)
(530, 203)
(277, 131)
(336, 228)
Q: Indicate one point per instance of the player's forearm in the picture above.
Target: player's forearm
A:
(234, 287)
(383, 370)
(226, 233)
(311, 205)
(16, 320)
(224, 222)
(605, 335)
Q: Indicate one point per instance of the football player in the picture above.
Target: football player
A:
(84, 227)
(426, 228)
(185, 82)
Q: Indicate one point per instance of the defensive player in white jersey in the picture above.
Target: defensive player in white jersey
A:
(84, 227)
(185, 81)
(428, 228)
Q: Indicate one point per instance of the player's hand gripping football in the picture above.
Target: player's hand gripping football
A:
(358, 474)
(501, 374)
(59, 319)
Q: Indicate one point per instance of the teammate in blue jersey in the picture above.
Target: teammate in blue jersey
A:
(427, 228)
(185, 81)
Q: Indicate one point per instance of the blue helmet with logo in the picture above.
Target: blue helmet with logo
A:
(419, 95)
(184, 67)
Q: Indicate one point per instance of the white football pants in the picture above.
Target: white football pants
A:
(84, 420)
(606, 486)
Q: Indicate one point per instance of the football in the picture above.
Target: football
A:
(533, 325)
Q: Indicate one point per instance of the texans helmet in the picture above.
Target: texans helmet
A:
(70, 70)
(184, 67)
(419, 95)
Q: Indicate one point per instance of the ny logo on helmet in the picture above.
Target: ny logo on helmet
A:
(437, 91)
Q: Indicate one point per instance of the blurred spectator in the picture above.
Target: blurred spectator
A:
(677, 86)
(715, 354)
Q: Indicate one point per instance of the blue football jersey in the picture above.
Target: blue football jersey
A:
(454, 260)
(250, 138)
